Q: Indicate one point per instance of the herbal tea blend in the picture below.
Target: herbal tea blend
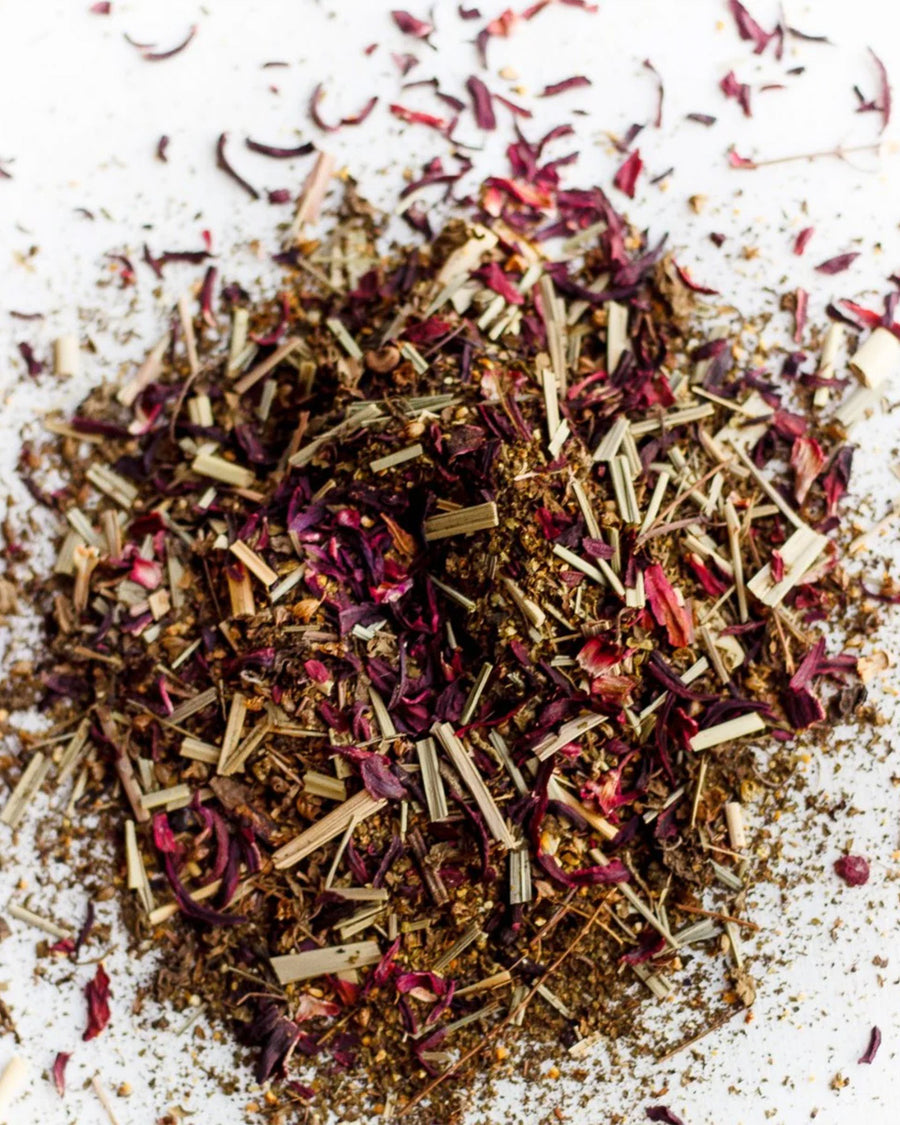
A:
(426, 628)
(427, 638)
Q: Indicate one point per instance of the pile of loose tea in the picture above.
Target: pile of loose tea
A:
(424, 635)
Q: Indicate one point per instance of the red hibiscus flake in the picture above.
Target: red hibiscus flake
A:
(59, 1072)
(627, 175)
(97, 993)
(666, 608)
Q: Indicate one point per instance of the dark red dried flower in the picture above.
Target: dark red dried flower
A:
(276, 151)
(404, 63)
(868, 1056)
(574, 83)
(662, 1113)
(223, 163)
(749, 29)
(657, 119)
(626, 177)
(801, 302)
(853, 869)
(416, 117)
(685, 274)
(881, 104)
(481, 103)
(159, 56)
(59, 1072)
(802, 239)
(740, 91)
(97, 993)
(34, 366)
(837, 264)
(410, 25)
(666, 608)
(354, 119)
(738, 161)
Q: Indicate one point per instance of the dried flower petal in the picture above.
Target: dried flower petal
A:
(160, 56)
(355, 119)
(660, 1112)
(59, 1072)
(277, 152)
(800, 242)
(837, 264)
(871, 1051)
(575, 83)
(626, 177)
(97, 993)
(410, 25)
(748, 28)
(666, 607)
(740, 91)
(223, 163)
(481, 103)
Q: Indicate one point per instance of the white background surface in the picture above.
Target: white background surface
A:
(80, 114)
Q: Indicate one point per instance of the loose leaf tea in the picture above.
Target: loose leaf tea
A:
(426, 630)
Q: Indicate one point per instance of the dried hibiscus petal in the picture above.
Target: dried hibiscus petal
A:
(223, 163)
(577, 82)
(837, 264)
(868, 1056)
(662, 1113)
(59, 1072)
(667, 608)
(807, 459)
(160, 56)
(802, 239)
(481, 103)
(411, 25)
(740, 91)
(626, 177)
(416, 117)
(97, 993)
(355, 119)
